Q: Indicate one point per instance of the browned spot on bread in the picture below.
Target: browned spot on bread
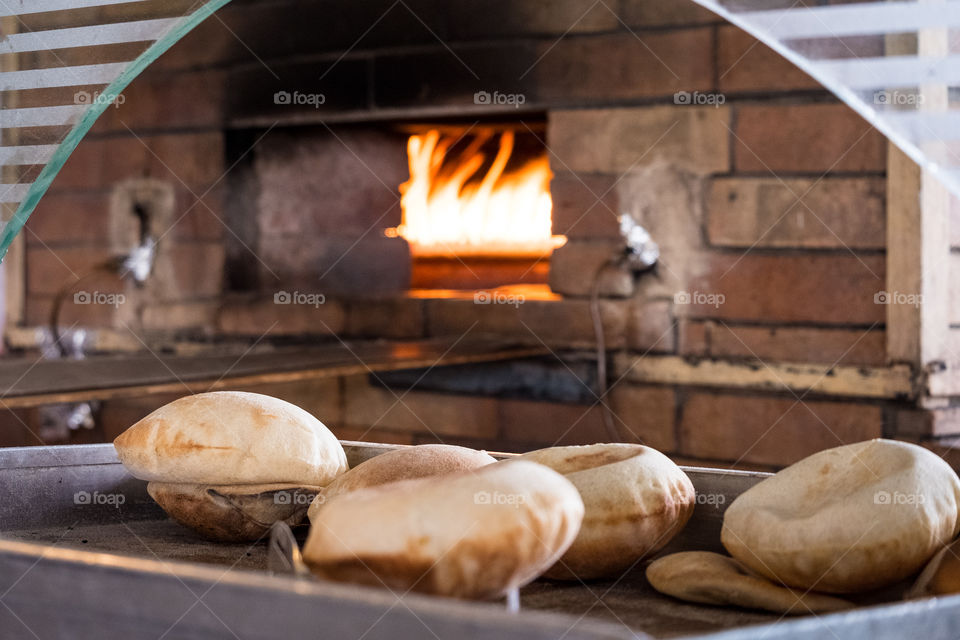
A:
(581, 461)
(180, 444)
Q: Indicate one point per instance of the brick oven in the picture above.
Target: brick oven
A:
(269, 147)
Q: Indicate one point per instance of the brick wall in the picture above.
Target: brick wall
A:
(769, 209)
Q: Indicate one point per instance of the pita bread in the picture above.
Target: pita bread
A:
(474, 534)
(240, 513)
(711, 578)
(229, 438)
(941, 576)
(847, 519)
(636, 500)
(406, 463)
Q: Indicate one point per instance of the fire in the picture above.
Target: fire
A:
(451, 208)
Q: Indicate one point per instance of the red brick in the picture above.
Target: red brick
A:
(319, 397)
(559, 324)
(419, 411)
(799, 344)
(49, 269)
(769, 430)
(767, 212)
(83, 169)
(259, 316)
(744, 64)
(693, 138)
(185, 271)
(499, 18)
(835, 289)
(806, 138)
(167, 101)
(180, 315)
(692, 337)
(551, 423)
(644, 13)
(199, 216)
(62, 219)
(191, 159)
(17, 430)
(386, 318)
(645, 414)
(624, 66)
(651, 327)
(575, 266)
(119, 414)
(366, 434)
(585, 205)
(39, 308)
(947, 448)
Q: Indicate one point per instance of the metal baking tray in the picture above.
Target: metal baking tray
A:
(84, 552)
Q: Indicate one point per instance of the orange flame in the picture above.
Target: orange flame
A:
(448, 211)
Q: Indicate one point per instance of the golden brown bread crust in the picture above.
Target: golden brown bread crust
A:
(711, 578)
(848, 519)
(407, 463)
(231, 437)
(232, 513)
(473, 534)
(941, 576)
(636, 500)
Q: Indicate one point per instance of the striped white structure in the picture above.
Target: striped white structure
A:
(896, 63)
(50, 103)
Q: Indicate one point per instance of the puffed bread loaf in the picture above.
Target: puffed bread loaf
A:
(231, 437)
(474, 534)
(406, 463)
(848, 519)
(636, 500)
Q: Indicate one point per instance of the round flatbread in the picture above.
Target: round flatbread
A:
(848, 519)
(475, 534)
(635, 498)
(711, 578)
